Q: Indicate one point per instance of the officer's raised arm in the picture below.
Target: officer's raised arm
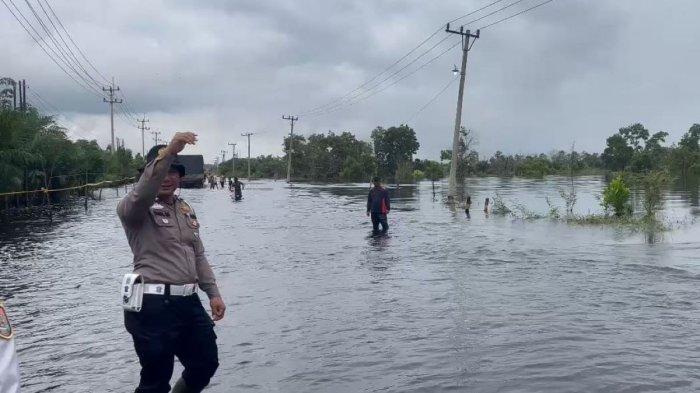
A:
(136, 203)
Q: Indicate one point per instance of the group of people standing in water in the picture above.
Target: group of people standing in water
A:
(234, 185)
(468, 205)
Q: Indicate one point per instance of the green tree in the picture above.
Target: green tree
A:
(392, 147)
(618, 154)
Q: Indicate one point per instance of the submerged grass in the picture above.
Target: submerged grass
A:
(647, 223)
(641, 224)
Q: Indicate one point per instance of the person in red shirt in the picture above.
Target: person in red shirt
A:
(378, 206)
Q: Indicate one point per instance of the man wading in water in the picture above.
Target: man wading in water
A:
(236, 186)
(378, 206)
(163, 233)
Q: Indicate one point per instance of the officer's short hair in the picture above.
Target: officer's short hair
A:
(376, 179)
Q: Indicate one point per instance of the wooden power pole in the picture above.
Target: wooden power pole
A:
(468, 40)
(291, 119)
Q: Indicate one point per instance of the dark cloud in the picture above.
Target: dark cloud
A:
(570, 71)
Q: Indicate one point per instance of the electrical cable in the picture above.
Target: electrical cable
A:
(70, 38)
(70, 51)
(396, 72)
(45, 51)
(61, 54)
(399, 60)
(45, 101)
(360, 99)
(435, 97)
(74, 44)
(516, 14)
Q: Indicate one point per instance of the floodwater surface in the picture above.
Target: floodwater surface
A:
(443, 303)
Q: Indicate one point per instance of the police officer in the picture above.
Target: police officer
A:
(163, 233)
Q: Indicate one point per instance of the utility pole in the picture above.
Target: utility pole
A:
(22, 94)
(14, 95)
(223, 156)
(248, 134)
(143, 128)
(291, 119)
(111, 89)
(467, 43)
(233, 158)
(155, 137)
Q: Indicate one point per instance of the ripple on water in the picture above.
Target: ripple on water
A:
(318, 305)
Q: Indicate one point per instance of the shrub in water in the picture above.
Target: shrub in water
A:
(653, 184)
(616, 196)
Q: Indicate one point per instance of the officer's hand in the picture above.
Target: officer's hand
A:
(367, 213)
(180, 140)
(218, 308)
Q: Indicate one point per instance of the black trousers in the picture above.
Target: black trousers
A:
(169, 326)
(377, 219)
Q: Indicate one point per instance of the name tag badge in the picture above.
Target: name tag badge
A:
(157, 206)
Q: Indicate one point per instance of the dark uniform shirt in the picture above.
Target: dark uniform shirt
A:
(378, 200)
(164, 238)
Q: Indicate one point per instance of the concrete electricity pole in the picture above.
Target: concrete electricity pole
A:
(233, 158)
(466, 46)
(291, 119)
(223, 156)
(155, 137)
(143, 128)
(248, 134)
(111, 89)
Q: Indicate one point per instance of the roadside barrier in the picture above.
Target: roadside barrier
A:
(45, 192)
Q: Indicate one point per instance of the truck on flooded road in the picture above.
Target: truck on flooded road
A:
(194, 170)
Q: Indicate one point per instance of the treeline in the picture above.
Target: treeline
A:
(36, 153)
(342, 157)
(632, 149)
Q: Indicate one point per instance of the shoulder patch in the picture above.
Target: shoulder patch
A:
(185, 207)
(5, 326)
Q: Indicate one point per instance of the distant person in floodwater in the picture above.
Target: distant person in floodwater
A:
(237, 189)
(212, 182)
(467, 206)
(378, 206)
(230, 184)
(486, 206)
(222, 180)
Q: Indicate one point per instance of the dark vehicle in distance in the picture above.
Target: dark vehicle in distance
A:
(194, 171)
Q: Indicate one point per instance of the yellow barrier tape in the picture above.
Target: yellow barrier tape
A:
(47, 191)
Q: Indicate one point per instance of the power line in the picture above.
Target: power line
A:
(44, 49)
(439, 29)
(396, 72)
(435, 97)
(516, 14)
(61, 54)
(42, 99)
(70, 51)
(74, 44)
(360, 99)
(361, 96)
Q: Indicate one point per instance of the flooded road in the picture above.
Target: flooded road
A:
(490, 304)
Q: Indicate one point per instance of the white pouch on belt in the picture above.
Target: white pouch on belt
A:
(132, 292)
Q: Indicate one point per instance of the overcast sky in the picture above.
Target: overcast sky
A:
(569, 71)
